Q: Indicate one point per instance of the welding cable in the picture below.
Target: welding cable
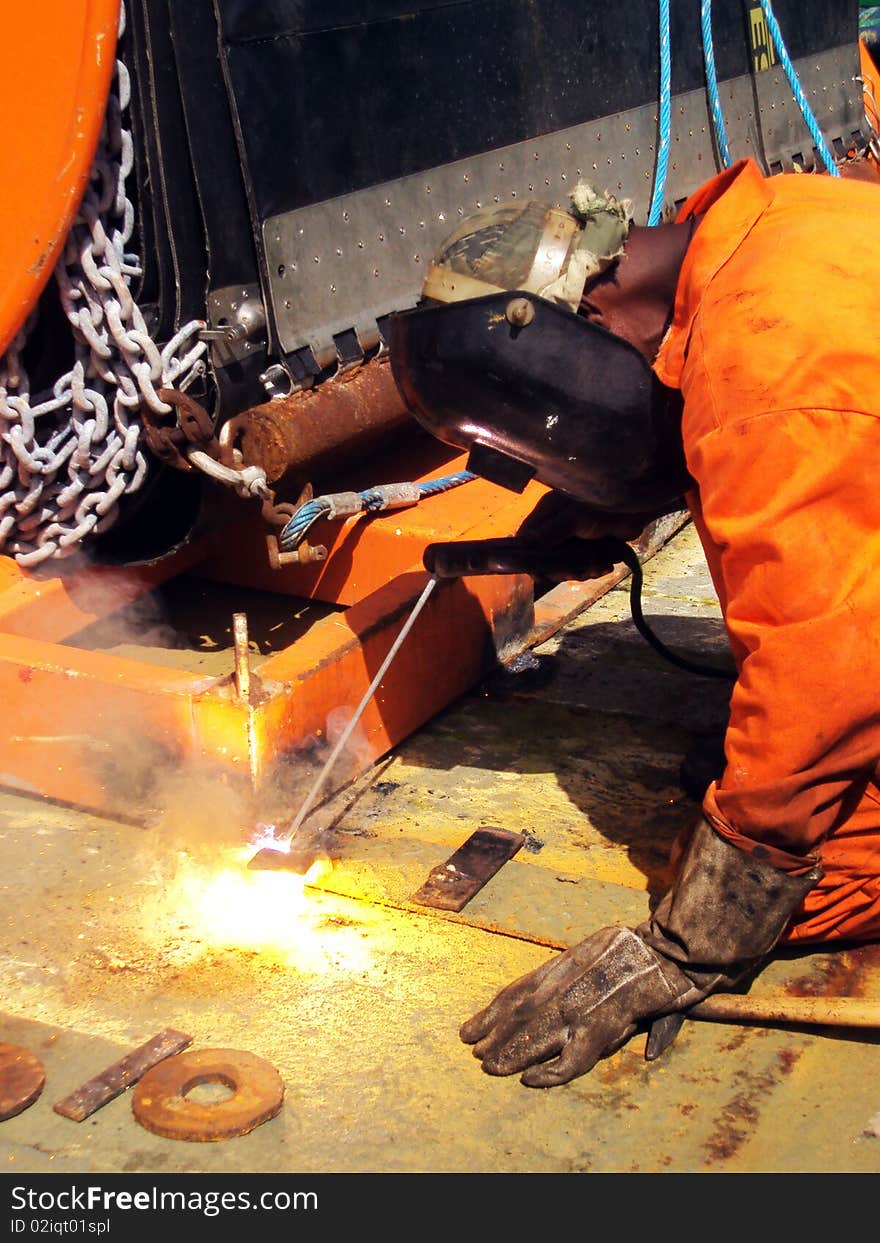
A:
(712, 84)
(370, 500)
(630, 558)
(800, 98)
(665, 119)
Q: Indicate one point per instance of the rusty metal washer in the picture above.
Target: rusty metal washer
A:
(22, 1079)
(159, 1101)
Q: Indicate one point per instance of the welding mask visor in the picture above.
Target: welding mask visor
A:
(534, 391)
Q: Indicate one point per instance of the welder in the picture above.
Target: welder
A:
(729, 361)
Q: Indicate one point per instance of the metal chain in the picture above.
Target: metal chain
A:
(68, 455)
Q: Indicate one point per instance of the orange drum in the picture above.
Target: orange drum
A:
(56, 65)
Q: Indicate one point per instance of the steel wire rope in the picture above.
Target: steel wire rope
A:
(373, 500)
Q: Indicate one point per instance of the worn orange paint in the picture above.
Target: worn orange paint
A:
(94, 705)
(332, 666)
(56, 65)
(52, 608)
(86, 728)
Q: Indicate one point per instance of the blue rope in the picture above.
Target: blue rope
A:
(433, 486)
(712, 84)
(800, 97)
(665, 116)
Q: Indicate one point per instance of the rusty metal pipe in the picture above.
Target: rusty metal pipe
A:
(294, 432)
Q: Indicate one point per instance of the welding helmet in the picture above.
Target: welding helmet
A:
(497, 360)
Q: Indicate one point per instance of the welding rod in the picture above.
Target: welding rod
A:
(358, 713)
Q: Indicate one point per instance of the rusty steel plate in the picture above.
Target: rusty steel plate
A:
(160, 1103)
(451, 885)
(21, 1079)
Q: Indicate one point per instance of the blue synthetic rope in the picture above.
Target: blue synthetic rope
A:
(293, 534)
(665, 116)
(812, 124)
(433, 486)
(712, 84)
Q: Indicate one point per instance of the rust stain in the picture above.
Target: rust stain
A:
(739, 1118)
(788, 1059)
(843, 974)
(622, 1067)
(737, 1039)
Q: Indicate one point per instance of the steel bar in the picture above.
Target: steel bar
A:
(784, 1008)
(242, 660)
(111, 1082)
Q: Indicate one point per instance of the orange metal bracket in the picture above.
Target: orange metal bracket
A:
(56, 65)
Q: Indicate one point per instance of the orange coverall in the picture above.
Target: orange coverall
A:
(775, 345)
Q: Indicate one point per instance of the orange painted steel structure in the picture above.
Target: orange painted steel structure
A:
(91, 728)
(56, 71)
(86, 727)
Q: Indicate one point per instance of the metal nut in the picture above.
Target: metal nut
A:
(250, 320)
(520, 312)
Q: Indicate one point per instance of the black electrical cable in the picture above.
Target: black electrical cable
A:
(630, 558)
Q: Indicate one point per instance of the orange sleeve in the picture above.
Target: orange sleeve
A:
(788, 508)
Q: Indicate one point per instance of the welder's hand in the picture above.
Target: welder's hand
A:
(557, 517)
(724, 912)
(559, 1020)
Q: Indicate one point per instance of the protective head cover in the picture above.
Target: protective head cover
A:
(498, 361)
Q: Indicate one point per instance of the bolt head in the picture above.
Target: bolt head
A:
(519, 312)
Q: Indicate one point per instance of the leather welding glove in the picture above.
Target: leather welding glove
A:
(557, 517)
(722, 916)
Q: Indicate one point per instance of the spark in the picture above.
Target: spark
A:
(222, 903)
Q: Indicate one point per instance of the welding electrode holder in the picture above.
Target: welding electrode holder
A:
(571, 559)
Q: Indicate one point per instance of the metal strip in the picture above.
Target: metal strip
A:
(451, 885)
(111, 1082)
(344, 263)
